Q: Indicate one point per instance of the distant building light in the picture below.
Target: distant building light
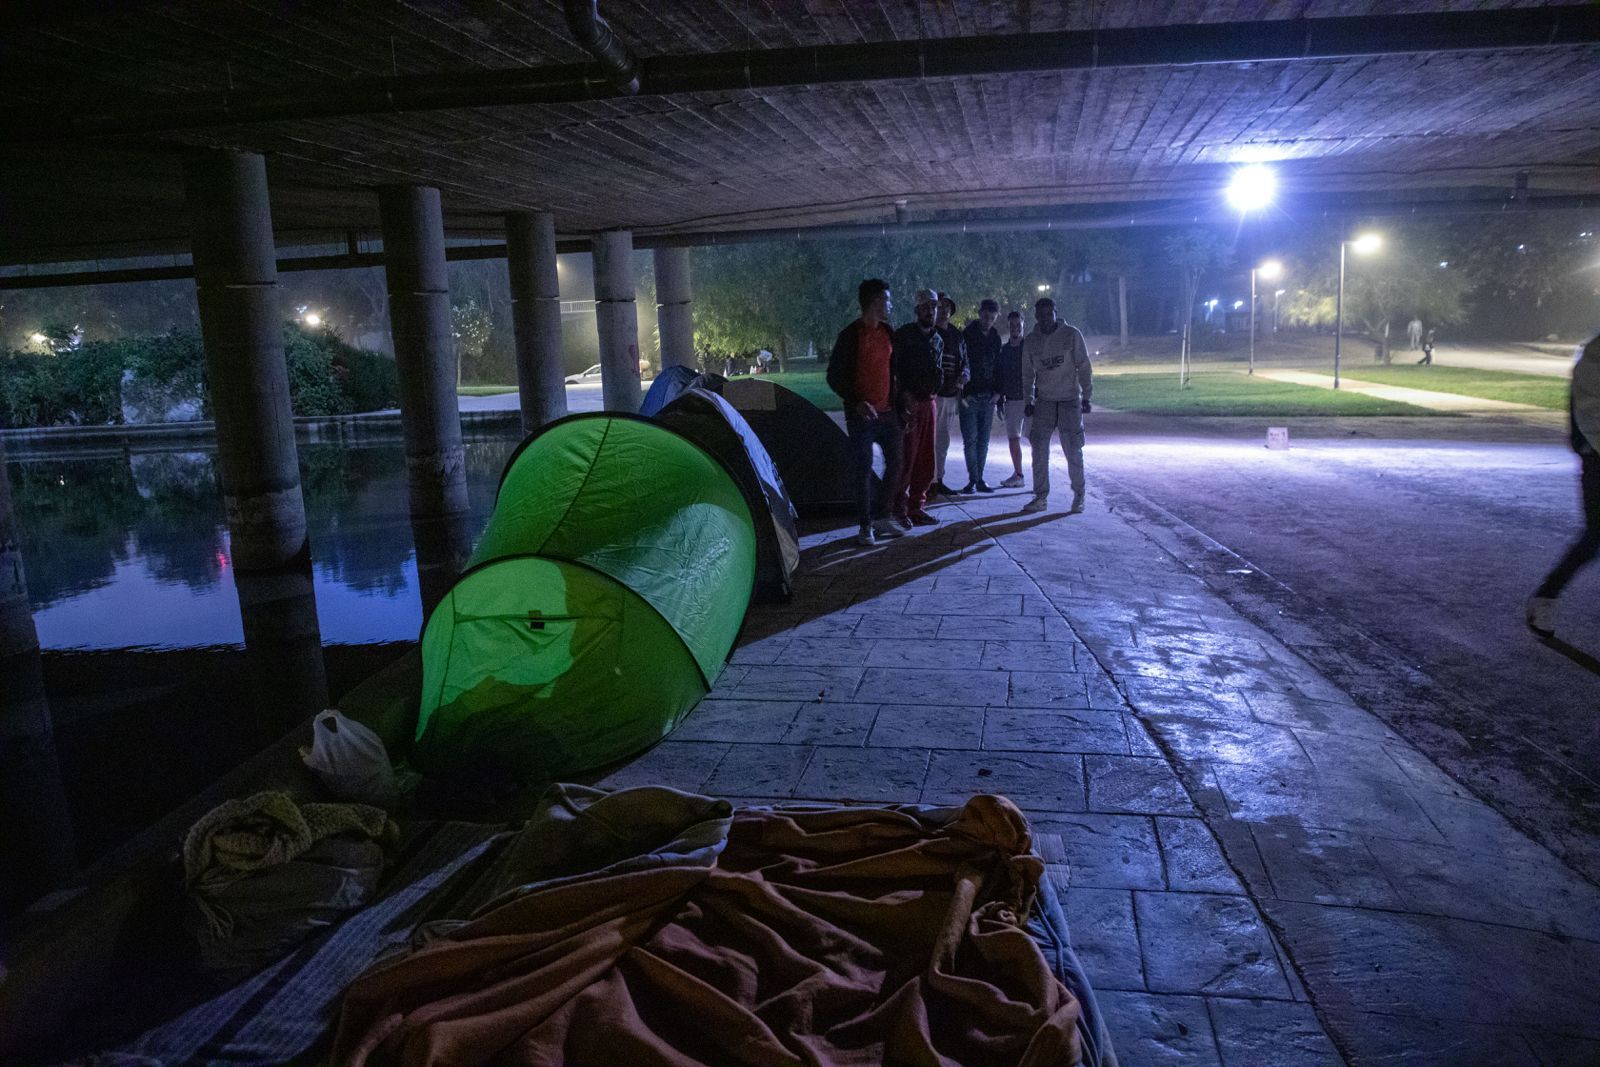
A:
(1044, 287)
(1522, 248)
(1444, 263)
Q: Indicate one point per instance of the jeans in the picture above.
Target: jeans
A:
(916, 465)
(977, 421)
(1049, 418)
(1587, 546)
(946, 413)
(883, 431)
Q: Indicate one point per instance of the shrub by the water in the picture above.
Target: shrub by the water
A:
(84, 387)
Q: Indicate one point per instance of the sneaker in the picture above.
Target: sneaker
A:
(985, 487)
(969, 489)
(899, 519)
(1013, 482)
(1077, 504)
(1036, 505)
(1542, 615)
(865, 538)
(887, 530)
(922, 518)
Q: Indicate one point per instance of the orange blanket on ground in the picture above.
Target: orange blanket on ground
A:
(817, 937)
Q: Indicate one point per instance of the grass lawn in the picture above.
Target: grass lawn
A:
(1536, 389)
(484, 390)
(1209, 393)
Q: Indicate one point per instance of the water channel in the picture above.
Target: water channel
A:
(137, 604)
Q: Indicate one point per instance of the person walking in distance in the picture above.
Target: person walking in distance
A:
(1058, 381)
(861, 371)
(977, 397)
(952, 378)
(1414, 333)
(1584, 427)
(918, 362)
(1427, 350)
(1011, 400)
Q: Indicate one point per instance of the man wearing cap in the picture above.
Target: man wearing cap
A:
(1057, 379)
(861, 371)
(918, 368)
(953, 375)
(977, 397)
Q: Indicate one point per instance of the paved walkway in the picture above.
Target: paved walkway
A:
(1250, 862)
(1422, 398)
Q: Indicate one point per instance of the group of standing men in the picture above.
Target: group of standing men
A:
(903, 388)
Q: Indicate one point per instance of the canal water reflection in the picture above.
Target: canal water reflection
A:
(131, 551)
(154, 686)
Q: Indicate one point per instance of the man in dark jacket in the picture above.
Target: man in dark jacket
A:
(947, 398)
(918, 360)
(1584, 424)
(861, 371)
(977, 397)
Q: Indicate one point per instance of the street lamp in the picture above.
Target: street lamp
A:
(1367, 242)
(1252, 188)
(312, 319)
(1270, 270)
(1277, 295)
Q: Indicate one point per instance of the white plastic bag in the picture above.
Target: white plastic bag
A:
(349, 759)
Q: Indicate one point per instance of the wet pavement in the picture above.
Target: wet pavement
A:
(1257, 869)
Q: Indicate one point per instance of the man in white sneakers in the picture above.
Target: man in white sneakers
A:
(1058, 381)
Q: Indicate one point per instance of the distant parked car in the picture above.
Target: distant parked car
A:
(593, 374)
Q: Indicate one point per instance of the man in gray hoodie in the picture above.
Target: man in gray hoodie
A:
(1057, 381)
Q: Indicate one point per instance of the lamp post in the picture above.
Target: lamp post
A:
(1270, 270)
(1367, 242)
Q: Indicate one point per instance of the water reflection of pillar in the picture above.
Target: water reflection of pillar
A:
(36, 845)
(283, 647)
(443, 545)
(236, 280)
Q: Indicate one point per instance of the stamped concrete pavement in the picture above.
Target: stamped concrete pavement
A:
(1256, 870)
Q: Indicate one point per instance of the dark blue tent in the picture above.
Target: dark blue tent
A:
(667, 387)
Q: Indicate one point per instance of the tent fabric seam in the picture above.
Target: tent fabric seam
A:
(588, 473)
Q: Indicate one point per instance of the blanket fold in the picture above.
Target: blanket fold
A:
(655, 927)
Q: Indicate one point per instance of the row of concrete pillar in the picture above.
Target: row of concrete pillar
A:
(235, 271)
(241, 322)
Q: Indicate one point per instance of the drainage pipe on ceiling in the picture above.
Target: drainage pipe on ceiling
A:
(617, 73)
(597, 37)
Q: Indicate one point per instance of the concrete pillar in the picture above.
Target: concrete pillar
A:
(617, 319)
(36, 848)
(536, 317)
(674, 314)
(424, 348)
(236, 280)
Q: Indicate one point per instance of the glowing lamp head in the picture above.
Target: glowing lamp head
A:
(1367, 243)
(1044, 287)
(1252, 188)
(312, 319)
(1270, 271)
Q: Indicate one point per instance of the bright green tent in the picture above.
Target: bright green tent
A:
(600, 605)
